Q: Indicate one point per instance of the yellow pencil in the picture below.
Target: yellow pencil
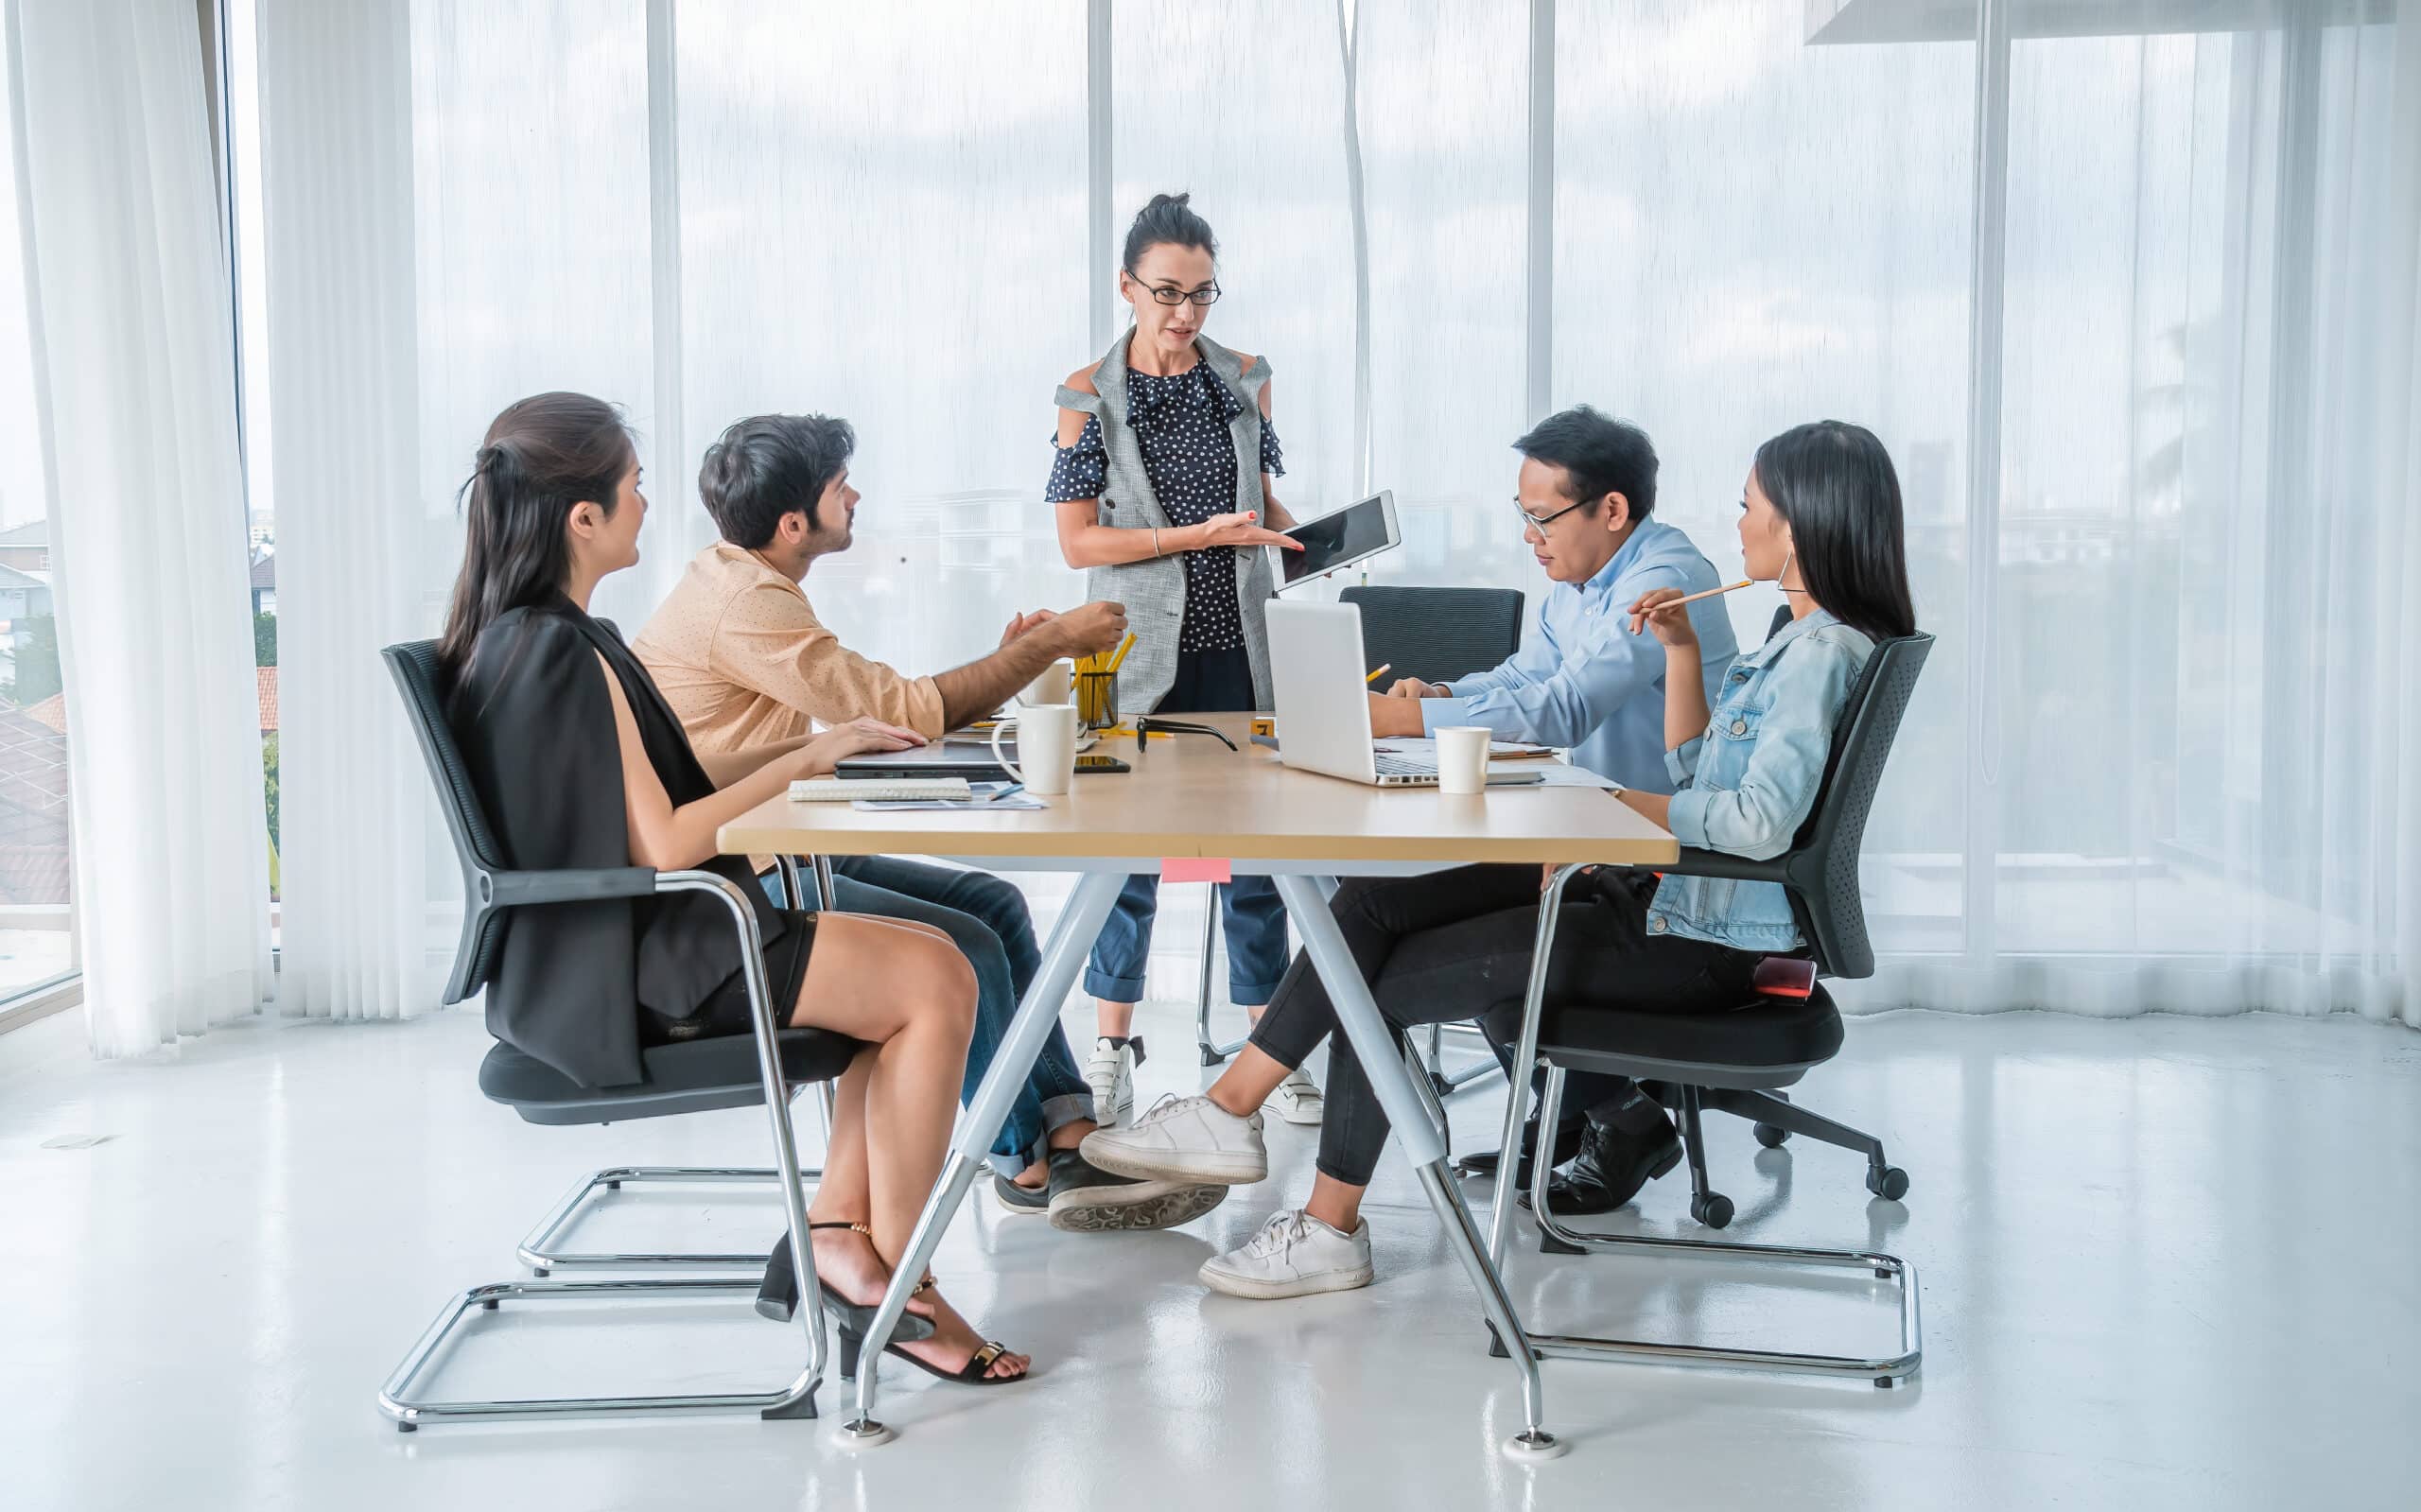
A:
(1378, 672)
(1123, 646)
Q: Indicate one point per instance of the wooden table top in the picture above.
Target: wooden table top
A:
(1190, 797)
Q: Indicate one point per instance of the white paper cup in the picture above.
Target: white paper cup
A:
(1462, 758)
(1045, 760)
(1052, 686)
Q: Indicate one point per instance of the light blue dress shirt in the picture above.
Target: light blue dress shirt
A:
(1584, 680)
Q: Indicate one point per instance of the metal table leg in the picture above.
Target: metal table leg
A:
(1423, 1143)
(1070, 939)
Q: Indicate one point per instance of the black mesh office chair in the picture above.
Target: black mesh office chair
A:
(1738, 1062)
(1435, 634)
(694, 1076)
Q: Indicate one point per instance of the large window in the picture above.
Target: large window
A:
(37, 941)
(1718, 217)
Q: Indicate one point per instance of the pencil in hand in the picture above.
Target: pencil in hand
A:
(1639, 618)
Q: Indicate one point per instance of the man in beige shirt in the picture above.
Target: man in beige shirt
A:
(744, 662)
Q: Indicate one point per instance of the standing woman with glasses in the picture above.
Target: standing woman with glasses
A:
(1163, 486)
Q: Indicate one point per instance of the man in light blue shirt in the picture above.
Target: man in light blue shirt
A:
(1585, 681)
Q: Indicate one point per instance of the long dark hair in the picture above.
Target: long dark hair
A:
(542, 455)
(1834, 484)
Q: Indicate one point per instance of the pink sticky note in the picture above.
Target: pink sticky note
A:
(1195, 869)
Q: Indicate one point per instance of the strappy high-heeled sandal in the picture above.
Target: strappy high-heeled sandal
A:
(778, 1298)
(974, 1373)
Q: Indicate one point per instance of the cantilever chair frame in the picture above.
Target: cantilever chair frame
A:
(489, 890)
(536, 1250)
(1841, 951)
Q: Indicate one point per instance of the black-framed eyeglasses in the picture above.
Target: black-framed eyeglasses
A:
(1540, 522)
(1148, 725)
(1206, 294)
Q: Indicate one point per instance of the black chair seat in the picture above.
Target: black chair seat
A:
(694, 1076)
(1766, 1042)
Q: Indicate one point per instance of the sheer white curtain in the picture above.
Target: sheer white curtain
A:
(334, 98)
(133, 368)
(2399, 476)
(2148, 765)
(2176, 784)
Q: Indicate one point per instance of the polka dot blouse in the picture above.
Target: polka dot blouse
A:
(1181, 424)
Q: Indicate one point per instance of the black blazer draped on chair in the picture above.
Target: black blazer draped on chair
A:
(535, 723)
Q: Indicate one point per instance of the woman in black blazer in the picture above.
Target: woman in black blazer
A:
(578, 763)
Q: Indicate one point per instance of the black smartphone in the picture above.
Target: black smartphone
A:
(1100, 763)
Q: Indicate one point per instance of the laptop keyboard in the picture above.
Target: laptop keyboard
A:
(1390, 766)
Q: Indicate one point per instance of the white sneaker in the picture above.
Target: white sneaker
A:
(1183, 1139)
(1297, 1099)
(1294, 1255)
(1111, 1072)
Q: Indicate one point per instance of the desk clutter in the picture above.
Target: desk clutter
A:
(848, 790)
(1097, 686)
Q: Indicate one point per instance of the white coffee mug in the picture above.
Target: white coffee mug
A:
(1045, 760)
(1462, 758)
(1054, 685)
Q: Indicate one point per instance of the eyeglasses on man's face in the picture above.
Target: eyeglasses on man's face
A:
(1540, 522)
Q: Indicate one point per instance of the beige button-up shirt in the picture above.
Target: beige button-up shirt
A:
(744, 661)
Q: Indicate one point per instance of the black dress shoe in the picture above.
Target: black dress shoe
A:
(1612, 1165)
(1484, 1163)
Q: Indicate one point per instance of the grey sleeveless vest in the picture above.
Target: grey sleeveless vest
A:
(1154, 591)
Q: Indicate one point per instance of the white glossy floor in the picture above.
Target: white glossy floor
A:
(2167, 1263)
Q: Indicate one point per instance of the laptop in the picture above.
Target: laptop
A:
(942, 759)
(960, 753)
(1316, 673)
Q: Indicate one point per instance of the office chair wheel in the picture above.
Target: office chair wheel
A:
(1713, 1210)
(1890, 1183)
(1770, 1137)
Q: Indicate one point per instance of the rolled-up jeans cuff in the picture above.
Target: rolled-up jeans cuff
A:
(1253, 994)
(1057, 1113)
(1068, 1107)
(1099, 984)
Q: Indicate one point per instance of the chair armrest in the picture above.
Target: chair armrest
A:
(569, 885)
(1696, 862)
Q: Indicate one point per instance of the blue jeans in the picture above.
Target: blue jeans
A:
(1217, 682)
(986, 918)
(1255, 921)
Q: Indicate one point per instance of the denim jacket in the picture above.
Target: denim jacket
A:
(1748, 783)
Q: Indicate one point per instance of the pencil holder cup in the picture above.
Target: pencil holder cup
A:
(1097, 699)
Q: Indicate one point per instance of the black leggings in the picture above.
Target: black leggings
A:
(1455, 946)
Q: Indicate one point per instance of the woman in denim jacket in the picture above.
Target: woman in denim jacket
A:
(1821, 518)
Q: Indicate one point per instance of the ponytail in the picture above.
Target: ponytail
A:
(542, 456)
